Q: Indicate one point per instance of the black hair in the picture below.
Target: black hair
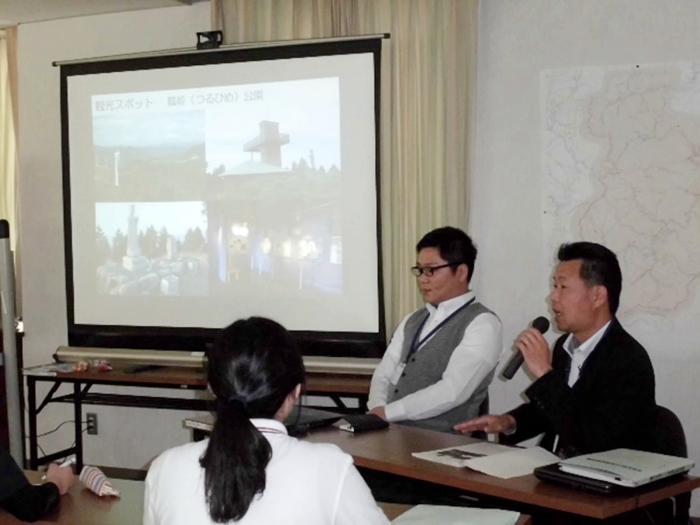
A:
(599, 266)
(253, 366)
(455, 246)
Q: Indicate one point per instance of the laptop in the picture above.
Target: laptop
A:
(610, 471)
(303, 419)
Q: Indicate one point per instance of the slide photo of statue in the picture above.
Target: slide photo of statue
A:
(151, 249)
(273, 191)
(149, 156)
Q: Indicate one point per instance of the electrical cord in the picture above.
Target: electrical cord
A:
(59, 426)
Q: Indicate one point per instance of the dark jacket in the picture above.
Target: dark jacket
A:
(612, 405)
(20, 498)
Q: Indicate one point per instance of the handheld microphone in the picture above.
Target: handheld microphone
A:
(541, 324)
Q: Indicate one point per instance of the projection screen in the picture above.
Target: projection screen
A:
(204, 187)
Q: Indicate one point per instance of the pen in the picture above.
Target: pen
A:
(70, 460)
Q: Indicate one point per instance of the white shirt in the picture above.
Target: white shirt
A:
(306, 483)
(472, 360)
(580, 353)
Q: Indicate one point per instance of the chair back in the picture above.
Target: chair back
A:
(670, 439)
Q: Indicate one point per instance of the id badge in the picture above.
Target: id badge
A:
(397, 374)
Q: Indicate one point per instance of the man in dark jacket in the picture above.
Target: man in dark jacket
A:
(596, 392)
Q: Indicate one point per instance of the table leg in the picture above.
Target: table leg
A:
(78, 411)
(339, 403)
(362, 402)
(33, 440)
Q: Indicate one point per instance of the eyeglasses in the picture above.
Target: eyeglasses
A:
(428, 271)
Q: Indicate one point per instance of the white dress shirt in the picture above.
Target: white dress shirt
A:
(579, 352)
(472, 360)
(306, 484)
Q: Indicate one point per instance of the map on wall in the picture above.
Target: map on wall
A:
(621, 166)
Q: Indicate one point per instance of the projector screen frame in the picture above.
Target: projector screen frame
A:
(332, 344)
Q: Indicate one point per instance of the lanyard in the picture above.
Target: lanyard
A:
(416, 343)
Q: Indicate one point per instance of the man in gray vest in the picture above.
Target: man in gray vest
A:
(441, 359)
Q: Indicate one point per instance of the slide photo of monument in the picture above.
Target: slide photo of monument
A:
(151, 249)
(273, 191)
(156, 156)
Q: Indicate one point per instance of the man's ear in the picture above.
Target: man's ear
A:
(600, 296)
(463, 273)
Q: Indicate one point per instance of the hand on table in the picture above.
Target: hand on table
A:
(491, 424)
(378, 411)
(62, 477)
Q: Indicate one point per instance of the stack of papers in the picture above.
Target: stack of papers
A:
(439, 515)
(492, 459)
(48, 370)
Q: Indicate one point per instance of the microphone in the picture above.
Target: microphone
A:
(541, 324)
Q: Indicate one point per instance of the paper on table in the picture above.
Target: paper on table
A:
(50, 369)
(439, 515)
(517, 462)
(462, 455)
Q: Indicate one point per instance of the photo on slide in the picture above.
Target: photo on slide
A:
(274, 184)
(149, 156)
(151, 249)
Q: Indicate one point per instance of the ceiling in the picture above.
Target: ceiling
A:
(14, 12)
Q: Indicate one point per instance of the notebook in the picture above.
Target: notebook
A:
(363, 422)
(604, 471)
(553, 474)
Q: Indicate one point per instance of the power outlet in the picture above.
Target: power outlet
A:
(92, 423)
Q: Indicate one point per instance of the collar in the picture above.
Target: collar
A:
(446, 308)
(585, 348)
(271, 426)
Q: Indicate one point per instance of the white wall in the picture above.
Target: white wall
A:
(517, 40)
(128, 437)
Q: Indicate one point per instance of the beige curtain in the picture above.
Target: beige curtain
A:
(427, 117)
(8, 130)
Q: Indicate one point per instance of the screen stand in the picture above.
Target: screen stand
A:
(9, 334)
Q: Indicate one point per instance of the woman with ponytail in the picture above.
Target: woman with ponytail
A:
(250, 471)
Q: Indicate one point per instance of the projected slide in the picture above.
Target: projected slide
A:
(264, 160)
(204, 193)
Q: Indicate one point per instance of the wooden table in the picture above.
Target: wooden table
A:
(389, 450)
(335, 386)
(82, 507)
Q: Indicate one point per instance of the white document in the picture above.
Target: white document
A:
(516, 462)
(439, 515)
(50, 369)
(462, 455)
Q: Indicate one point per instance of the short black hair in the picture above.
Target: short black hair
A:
(599, 266)
(455, 246)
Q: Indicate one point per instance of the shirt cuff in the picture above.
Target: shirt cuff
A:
(395, 411)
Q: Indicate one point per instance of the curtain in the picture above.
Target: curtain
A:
(8, 130)
(426, 124)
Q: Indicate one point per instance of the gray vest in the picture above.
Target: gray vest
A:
(426, 367)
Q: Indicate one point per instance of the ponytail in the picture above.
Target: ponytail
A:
(251, 370)
(234, 462)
